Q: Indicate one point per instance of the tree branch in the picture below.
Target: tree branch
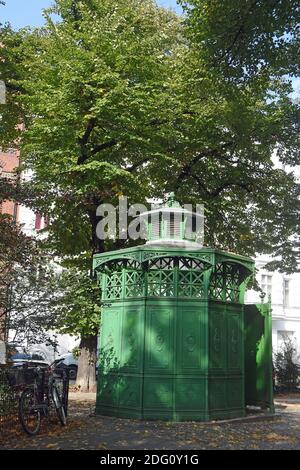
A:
(100, 147)
(89, 128)
(186, 170)
(216, 192)
(85, 154)
(84, 140)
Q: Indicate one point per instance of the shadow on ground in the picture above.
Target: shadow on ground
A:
(87, 431)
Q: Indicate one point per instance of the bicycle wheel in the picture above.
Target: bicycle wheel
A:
(30, 416)
(60, 410)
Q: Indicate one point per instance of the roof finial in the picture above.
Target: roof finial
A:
(171, 202)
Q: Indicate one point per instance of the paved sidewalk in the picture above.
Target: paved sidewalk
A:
(86, 431)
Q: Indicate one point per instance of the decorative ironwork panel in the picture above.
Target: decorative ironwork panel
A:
(216, 287)
(115, 265)
(134, 284)
(191, 263)
(131, 337)
(147, 255)
(161, 283)
(225, 282)
(190, 284)
(162, 263)
(233, 280)
(132, 264)
(113, 288)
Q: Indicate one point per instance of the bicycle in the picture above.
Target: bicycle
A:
(35, 401)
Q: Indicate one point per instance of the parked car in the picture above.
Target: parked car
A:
(30, 360)
(29, 363)
(68, 362)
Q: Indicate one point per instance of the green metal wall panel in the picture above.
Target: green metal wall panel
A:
(226, 351)
(234, 340)
(132, 332)
(172, 335)
(217, 337)
(217, 393)
(158, 392)
(121, 359)
(190, 394)
(226, 326)
(159, 340)
(130, 392)
(226, 398)
(158, 396)
(191, 350)
(110, 348)
(107, 392)
(234, 393)
(258, 356)
(176, 361)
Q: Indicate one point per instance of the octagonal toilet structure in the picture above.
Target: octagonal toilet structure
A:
(176, 340)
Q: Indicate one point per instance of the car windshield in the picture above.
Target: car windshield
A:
(20, 356)
(27, 357)
(58, 361)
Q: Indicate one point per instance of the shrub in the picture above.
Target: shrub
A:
(286, 369)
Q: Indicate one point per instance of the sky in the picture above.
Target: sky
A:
(22, 13)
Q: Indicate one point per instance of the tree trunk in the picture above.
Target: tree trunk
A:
(86, 374)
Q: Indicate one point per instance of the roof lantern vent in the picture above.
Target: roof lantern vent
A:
(174, 225)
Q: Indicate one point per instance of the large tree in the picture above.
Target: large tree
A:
(91, 91)
(128, 98)
(247, 38)
(241, 123)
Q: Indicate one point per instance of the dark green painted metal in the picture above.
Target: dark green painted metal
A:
(258, 356)
(172, 333)
(143, 253)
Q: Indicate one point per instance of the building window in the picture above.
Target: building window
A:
(286, 292)
(38, 222)
(266, 284)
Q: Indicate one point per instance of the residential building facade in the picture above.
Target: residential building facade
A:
(9, 162)
(284, 291)
(33, 225)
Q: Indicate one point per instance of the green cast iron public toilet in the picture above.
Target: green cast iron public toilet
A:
(175, 330)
